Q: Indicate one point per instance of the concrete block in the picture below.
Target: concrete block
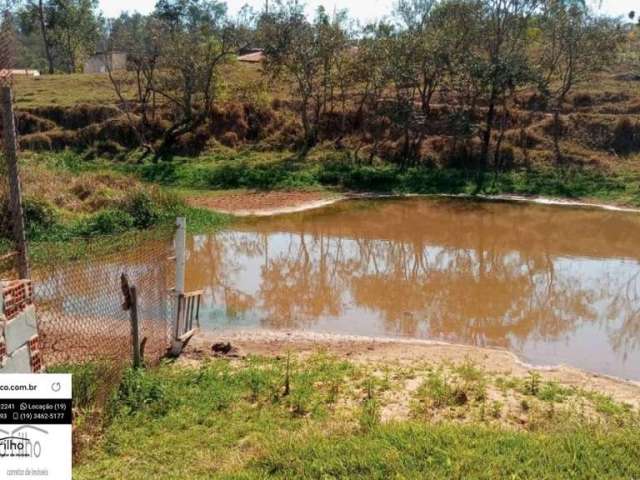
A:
(18, 362)
(21, 329)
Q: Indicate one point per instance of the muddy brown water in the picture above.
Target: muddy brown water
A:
(556, 285)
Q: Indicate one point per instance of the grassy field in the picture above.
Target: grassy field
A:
(321, 417)
(64, 90)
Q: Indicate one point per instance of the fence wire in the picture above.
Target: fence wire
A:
(79, 300)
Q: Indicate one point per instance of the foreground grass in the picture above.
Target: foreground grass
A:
(320, 417)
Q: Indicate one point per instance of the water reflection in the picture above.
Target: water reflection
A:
(553, 284)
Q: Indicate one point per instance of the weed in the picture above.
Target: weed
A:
(370, 411)
(138, 392)
(531, 385)
(496, 409)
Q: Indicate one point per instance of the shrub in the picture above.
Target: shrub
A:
(142, 209)
(106, 222)
(39, 216)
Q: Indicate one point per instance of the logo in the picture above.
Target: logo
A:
(21, 442)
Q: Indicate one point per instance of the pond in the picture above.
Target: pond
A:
(552, 284)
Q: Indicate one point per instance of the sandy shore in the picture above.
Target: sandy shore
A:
(400, 351)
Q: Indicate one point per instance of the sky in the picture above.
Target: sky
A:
(363, 10)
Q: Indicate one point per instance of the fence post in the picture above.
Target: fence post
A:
(131, 304)
(181, 262)
(15, 195)
(135, 332)
(181, 253)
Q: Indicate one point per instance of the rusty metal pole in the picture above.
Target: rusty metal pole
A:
(15, 194)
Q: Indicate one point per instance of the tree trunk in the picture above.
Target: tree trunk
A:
(557, 131)
(45, 37)
(486, 142)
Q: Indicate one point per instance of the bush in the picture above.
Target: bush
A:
(141, 207)
(106, 222)
(39, 216)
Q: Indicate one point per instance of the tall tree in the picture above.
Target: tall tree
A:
(69, 30)
(197, 39)
(500, 60)
(573, 46)
(306, 53)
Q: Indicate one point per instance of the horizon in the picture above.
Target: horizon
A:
(362, 11)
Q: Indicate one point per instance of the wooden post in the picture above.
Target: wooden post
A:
(135, 332)
(131, 304)
(15, 195)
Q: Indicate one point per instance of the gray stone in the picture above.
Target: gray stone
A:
(19, 362)
(20, 330)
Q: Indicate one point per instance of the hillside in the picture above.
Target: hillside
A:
(601, 122)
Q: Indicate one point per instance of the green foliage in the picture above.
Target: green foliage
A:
(39, 217)
(139, 392)
(412, 450)
(105, 222)
(370, 410)
(142, 209)
(531, 385)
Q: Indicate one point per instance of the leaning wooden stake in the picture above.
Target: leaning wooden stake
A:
(131, 304)
(15, 194)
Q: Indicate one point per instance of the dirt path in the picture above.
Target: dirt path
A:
(408, 352)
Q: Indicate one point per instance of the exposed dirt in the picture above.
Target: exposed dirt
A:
(259, 203)
(402, 353)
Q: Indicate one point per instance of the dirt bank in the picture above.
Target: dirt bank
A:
(258, 203)
(403, 353)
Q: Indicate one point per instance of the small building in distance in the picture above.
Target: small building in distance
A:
(97, 63)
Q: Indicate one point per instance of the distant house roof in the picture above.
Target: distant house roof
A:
(254, 57)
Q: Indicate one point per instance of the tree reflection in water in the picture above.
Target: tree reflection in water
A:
(540, 280)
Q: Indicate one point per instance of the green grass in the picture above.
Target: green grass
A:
(320, 418)
(75, 208)
(328, 169)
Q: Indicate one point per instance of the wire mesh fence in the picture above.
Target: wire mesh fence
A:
(79, 299)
